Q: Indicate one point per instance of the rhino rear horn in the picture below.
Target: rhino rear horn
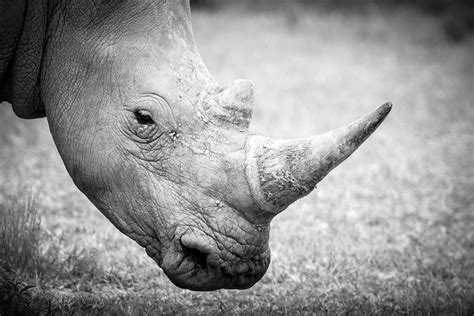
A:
(280, 172)
(231, 106)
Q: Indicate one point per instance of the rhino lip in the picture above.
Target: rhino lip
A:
(200, 269)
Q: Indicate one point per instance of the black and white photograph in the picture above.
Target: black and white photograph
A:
(236, 157)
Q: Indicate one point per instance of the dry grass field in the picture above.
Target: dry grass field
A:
(390, 231)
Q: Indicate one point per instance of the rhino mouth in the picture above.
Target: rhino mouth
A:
(200, 268)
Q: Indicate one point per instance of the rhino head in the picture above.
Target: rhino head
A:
(158, 145)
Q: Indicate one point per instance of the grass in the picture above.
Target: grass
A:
(388, 232)
(31, 257)
(20, 227)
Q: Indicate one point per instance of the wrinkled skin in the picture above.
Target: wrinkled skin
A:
(149, 137)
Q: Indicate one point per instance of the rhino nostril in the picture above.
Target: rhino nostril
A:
(198, 257)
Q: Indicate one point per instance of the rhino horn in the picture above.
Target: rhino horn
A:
(233, 105)
(280, 172)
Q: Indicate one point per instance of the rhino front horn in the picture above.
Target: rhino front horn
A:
(280, 172)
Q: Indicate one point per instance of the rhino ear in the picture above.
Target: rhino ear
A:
(20, 69)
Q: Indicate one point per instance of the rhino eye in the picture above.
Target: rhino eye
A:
(143, 117)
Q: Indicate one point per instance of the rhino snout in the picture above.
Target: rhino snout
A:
(197, 266)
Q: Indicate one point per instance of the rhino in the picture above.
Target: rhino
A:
(153, 141)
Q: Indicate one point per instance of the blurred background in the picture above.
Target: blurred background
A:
(390, 231)
(457, 15)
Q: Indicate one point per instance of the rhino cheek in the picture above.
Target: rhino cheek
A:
(126, 193)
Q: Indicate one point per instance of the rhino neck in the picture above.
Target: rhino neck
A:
(22, 35)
